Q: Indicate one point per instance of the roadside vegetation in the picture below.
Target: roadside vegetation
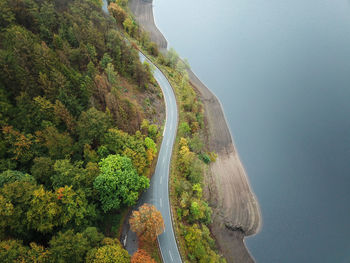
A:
(191, 212)
(80, 121)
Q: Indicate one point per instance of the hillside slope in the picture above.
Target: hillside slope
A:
(79, 119)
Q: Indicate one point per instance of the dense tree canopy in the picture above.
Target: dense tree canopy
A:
(69, 247)
(71, 153)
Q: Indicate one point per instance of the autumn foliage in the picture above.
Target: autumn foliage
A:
(73, 94)
(147, 222)
(118, 12)
(141, 256)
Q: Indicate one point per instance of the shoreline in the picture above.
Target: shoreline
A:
(236, 211)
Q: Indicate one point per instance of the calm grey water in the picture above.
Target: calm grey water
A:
(282, 72)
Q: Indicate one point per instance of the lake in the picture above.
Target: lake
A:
(282, 72)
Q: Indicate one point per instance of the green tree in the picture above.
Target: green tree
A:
(74, 207)
(108, 254)
(195, 171)
(118, 183)
(150, 144)
(111, 74)
(38, 253)
(44, 212)
(6, 14)
(184, 129)
(152, 131)
(48, 20)
(119, 142)
(13, 176)
(93, 236)
(92, 126)
(59, 145)
(62, 113)
(185, 158)
(13, 251)
(42, 170)
(196, 144)
(194, 242)
(64, 173)
(90, 155)
(16, 198)
(172, 58)
(129, 26)
(68, 174)
(106, 59)
(69, 247)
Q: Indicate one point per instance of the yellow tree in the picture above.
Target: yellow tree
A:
(110, 252)
(147, 222)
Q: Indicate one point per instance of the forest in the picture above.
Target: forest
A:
(80, 121)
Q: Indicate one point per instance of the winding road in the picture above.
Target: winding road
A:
(158, 192)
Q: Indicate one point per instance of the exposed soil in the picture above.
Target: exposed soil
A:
(143, 12)
(236, 210)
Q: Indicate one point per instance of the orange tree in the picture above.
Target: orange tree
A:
(141, 256)
(147, 222)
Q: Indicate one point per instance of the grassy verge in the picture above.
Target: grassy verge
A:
(192, 215)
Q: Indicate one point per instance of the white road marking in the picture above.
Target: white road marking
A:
(171, 257)
(161, 203)
(124, 241)
(161, 179)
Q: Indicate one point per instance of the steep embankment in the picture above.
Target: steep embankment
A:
(236, 210)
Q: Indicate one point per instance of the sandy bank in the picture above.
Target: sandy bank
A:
(236, 210)
(143, 12)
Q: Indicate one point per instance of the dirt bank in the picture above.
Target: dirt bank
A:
(143, 12)
(236, 210)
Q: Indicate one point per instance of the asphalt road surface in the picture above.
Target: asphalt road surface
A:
(158, 192)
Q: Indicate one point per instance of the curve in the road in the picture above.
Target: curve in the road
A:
(158, 193)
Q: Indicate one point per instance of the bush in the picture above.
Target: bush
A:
(184, 129)
(152, 131)
(205, 158)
